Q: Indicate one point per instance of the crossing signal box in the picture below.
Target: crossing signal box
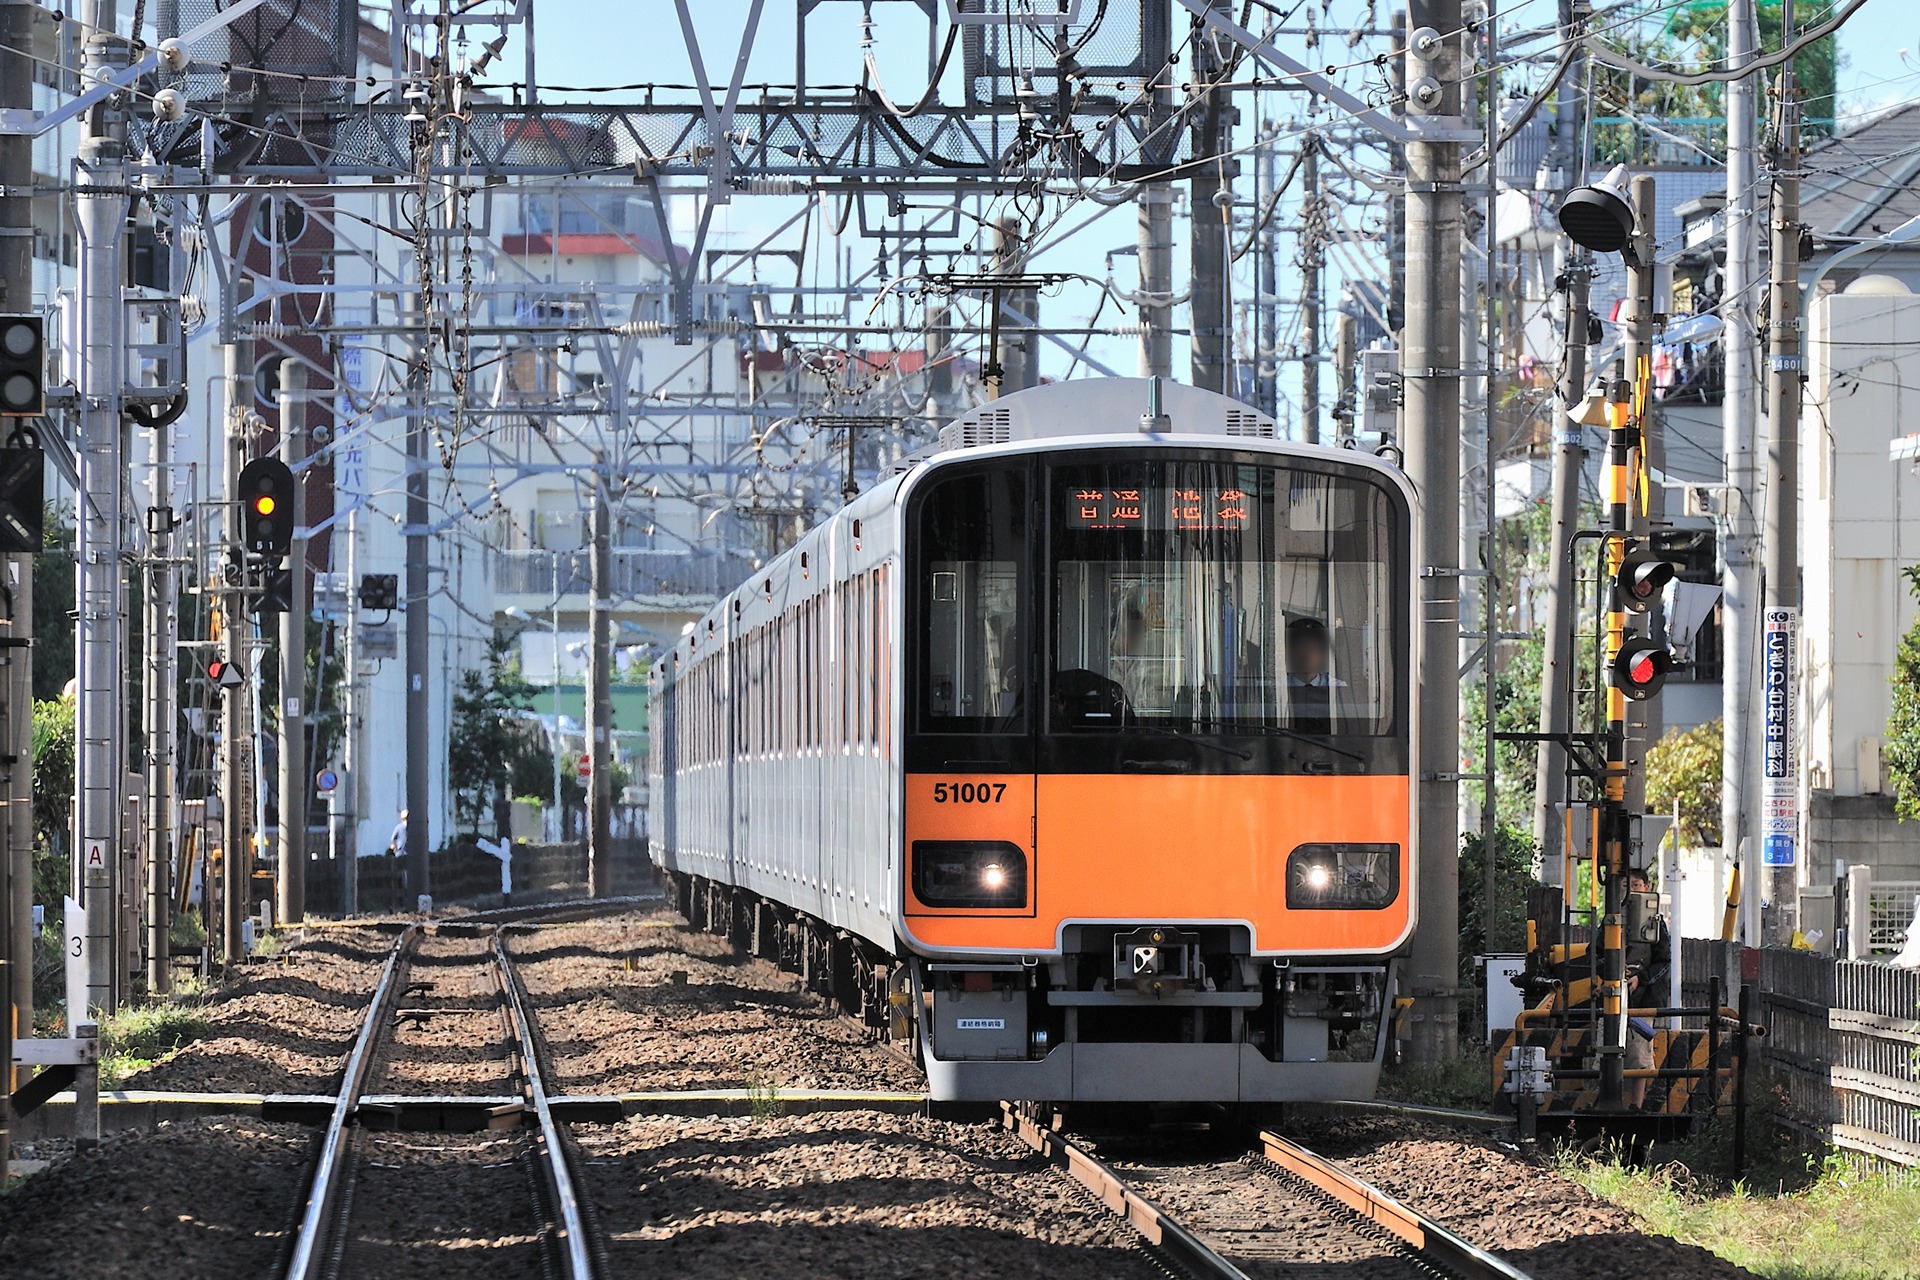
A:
(266, 507)
(1640, 668)
(380, 592)
(1642, 579)
(23, 366)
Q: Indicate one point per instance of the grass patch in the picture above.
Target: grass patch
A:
(1832, 1222)
(134, 1039)
(1465, 1082)
(763, 1095)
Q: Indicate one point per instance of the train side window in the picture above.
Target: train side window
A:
(970, 570)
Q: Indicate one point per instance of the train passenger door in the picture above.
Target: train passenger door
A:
(969, 755)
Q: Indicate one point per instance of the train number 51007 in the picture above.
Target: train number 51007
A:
(968, 792)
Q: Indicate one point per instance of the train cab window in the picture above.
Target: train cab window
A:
(971, 568)
(1227, 601)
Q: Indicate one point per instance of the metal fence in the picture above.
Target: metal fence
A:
(1842, 1052)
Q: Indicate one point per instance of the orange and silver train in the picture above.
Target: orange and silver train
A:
(1078, 753)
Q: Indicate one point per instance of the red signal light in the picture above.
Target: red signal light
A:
(1640, 668)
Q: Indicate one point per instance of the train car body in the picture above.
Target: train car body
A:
(1086, 741)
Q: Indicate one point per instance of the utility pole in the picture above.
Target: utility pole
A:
(16, 682)
(600, 692)
(1266, 344)
(1210, 211)
(1430, 373)
(1397, 209)
(236, 858)
(1156, 279)
(1154, 238)
(1312, 256)
(1738, 413)
(161, 631)
(1643, 718)
(1780, 774)
(290, 881)
(1344, 354)
(1576, 273)
(419, 610)
(100, 212)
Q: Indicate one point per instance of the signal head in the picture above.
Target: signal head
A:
(1640, 668)
(1641, 580)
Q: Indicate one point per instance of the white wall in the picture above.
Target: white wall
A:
(1861, 523)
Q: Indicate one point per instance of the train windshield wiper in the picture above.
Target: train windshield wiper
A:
(1320, 740)
(1193, 736)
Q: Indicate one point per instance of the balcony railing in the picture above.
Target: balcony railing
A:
(639, 573)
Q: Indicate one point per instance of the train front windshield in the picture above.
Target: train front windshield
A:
(1222, 614)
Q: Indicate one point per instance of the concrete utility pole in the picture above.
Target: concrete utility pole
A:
(1210, 212)
(1312, 255)
(1430, 374)
(1780, 773)
(600, 695)
(1345, 341)
(1156, 280)
(290, 880)
(16, 681)
(417, 601)
(1560, 607)
(236, 859)
(1266, 329)
(161, 631)
(1643, 718)
(100, 212)
(1155, 241)
(1738, 413)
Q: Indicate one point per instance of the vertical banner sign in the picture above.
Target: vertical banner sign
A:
(1779, 740)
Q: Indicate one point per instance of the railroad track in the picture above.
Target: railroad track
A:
(381, 1200)
(1281, 1212)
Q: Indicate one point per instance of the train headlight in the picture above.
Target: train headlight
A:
(1343, 877)
(969, 873)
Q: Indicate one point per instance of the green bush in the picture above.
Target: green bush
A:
(1683, 771)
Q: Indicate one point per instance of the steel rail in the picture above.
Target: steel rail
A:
(1182, 1247)
(323, 1193)
(1439, 1246)
(566, 1200)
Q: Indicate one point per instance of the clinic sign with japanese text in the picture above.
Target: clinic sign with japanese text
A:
(1779, 739)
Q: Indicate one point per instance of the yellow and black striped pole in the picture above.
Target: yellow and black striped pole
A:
(1616, 825)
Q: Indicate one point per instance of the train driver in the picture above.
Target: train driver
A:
(1310, 679)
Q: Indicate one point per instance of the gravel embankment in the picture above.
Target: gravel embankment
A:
(1545, 1224)
(286, 1025)
(857, 1195)
(207, 1198)
(643, 1003)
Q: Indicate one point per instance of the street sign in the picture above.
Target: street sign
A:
(326, 780)
(1780, 763)
(586, 766)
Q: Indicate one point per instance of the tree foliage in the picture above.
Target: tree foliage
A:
(488, 747)
(1692, 35)
(1683, 770)
(1900, 754)
(53, 584)
(53, 765)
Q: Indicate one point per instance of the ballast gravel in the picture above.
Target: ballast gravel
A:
(642, 1003)
(856, 1195)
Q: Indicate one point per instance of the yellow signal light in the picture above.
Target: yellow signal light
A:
(264, 504)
